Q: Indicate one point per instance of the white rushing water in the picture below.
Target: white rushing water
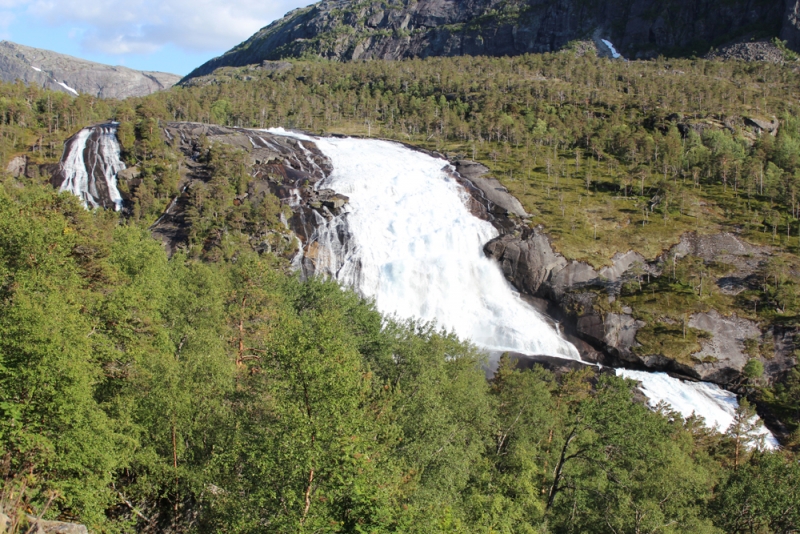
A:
(712, 403)
(80, 175)
(416, 249)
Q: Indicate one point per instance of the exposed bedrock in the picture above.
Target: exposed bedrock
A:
(574, 290)
(279, 165)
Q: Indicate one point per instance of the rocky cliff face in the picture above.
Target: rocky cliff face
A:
(75, 76)
(790, 28)
(576, 293)
(396, 29)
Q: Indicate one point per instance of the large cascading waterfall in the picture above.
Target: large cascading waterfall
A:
(408, 240)
(90, 166)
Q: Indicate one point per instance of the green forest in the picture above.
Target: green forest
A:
(213, 391)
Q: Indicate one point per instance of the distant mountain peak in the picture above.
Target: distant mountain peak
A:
(74, 76)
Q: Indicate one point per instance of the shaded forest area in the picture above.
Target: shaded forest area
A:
(213, 391)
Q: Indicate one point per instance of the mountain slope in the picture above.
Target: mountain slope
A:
(396, 29)
(72, 75)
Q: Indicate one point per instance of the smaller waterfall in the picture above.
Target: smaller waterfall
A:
(708, 401)
(614, 53)
(90, 166)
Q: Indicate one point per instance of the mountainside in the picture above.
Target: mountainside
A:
(395, 29)
(72, 75)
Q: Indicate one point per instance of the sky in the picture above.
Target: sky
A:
(164, 35)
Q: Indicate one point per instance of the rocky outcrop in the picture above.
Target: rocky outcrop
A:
(583, 298)
(394, 29)
(503, 202)
(530, 264)
(750, 51)
(770, 127)
(40, 526)
(74, 76)
(723, 355)
(279, 165)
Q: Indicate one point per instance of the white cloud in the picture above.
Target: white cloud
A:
(144, 26)
(6, 19)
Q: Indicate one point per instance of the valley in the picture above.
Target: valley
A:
(543, 293)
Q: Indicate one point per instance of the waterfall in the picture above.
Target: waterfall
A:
(408, 240)
(708, 401)
(90, 166)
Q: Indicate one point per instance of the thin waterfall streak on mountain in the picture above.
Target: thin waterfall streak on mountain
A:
(90, 166)
(408, 240)
(712, 403)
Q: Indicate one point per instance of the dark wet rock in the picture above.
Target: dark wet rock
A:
(790, 26)
(559, 366)
(71, 75)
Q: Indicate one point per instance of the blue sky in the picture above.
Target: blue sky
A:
(167, 35)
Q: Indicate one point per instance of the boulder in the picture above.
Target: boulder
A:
(129, 174)
(770, 127)
(276, 66)
(40, 526)
(17, 166)
(723, 355)
(527, 262)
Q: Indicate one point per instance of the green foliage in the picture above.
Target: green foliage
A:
(753, 369)
(761, 496)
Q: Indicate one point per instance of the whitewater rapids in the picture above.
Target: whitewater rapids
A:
(712, 403)
(408, 240)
